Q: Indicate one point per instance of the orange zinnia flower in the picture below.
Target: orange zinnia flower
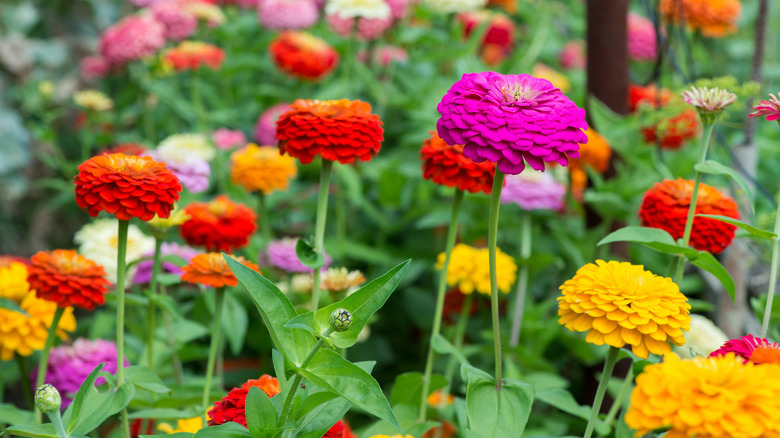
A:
(446, 165)
(715, 18)
(211, 269)
(596, 153)
(219, 225)
(303, 55)
(68, 279)
(262, 168)
(126, 186)
(191, 55)
(337, 130)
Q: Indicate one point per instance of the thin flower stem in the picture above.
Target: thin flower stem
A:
(197, 102)
(43, 361)
(772, 277)
(526, 236)
(609, 365)
(151, 314)
(457, 342)
(121, 268)
(216, 334)
(705, 142)
(319, 227)
(265, 219)
(495, 203)
(618, 403)
(24, 373)
(177, 367)
(452, 232)
(56, 420)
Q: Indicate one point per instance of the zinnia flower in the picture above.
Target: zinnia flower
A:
(642, 44)
(133, 38)
(211, 269)
(650, 96)
(448, 6)
(232, 407)
(769, 108)
(620, 303)
(384, 55)
(187, 425)
(280, 253)
(435, 399)
(714, 18)
(13, 280)
(219, 225)
(399, 8)
(337, 130)
(596, 154)
(303, 55)
(262, 168)
(93, 100)
(204, 10)
(341, 279)
(127, 149)
(227, 139)
(533, 190)
(187, 144)
(192, 55)
(369, 18)
(743, 347)
(511, 119)
(701, 339)
(500, 28)
(265, 128)
(572, 55)
(68, 279)
(98, 241)
(143, 272)
(716, 397)
(192, 172)
(666, 205)
(93, 67)
(708, 101)
(287, 14)
(179, 24)
(766, 354)
(672, 132)
(446, 165)
(126, 186)
(469, 269)
(160, 226)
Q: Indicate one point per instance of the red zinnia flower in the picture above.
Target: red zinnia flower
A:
(219, 225)
(232, 407)
(191, 55)
(672, 132)
(211, 269)
(338, 130)
(336, 431)
(446, 165)
(68, 279)
(665, 206)
(303, 55)
(127, 149)
(126, 186)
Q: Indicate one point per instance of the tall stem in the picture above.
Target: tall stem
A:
(495, 203)
(772, 276)
(121, 267)
(151, 314)
(452, 232)
(457, 342)
(522, 281)
(265, 219)
(618, 403)
(319, 226)
(43, 362)
(609, 365)
(87, 138)
(177, 368)
(298, 377)
(24, 374)
(705, 142)
(216, 333)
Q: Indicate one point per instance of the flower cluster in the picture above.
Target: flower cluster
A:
(469, 269)
(232, 407)
(499, 36)
(673, 126)
(446, 165)
(132, 38)
(714, 18)
(642, 40)
(219, 225)
(368, 18)
(262, 168)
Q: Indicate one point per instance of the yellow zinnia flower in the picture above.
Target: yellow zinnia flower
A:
(177, 217)
(262, 168)
(189, 425)
(469, 269)
(713, 397)
(93, 100)
(13, 281)
(620, 303)
(23, 334)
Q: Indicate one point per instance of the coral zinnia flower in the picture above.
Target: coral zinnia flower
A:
(596, 153)
(219, 225)
(511, 119)
(23, 334)
(469, 269)
(262, 168)
(232, 407)
(191, 55)
(126, 186)
(715, 18)
(716, 397)
(303, 55)
(666, 204)
(337, 130)
(211, 269)
(446, 165)
(648, 95)
(744, 347)
(673, 131)
(68, 279)
(620, 303)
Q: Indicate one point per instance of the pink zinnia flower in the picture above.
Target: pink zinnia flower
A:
(179, 24)
(534, 191)
(287, 14)
(398, 8)
(385, 55)
(94, 67)
(511, 120)
(132, 38)
(572, 56)
(641, 38)
(743, 347)
(265, 128)
(367, 28)
(226, 139)
(769, 108)
(281, 254)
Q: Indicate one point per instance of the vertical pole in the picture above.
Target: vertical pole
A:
(608, 53)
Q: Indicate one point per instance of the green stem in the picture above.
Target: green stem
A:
(43, 361)
(495, 203)
(341, 215)
(319, 226)
(609, 365)
(265, 220)
(121, 268)
(298, 377)
(618, 403)
(177, 367)
(457, 342)
(56, 420)
(151, 314)
(219, 297)
(24, 374)
(522, 282)
(705, 142)
(452, 232)
(772, 276)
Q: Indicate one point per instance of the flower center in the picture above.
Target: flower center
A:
(520, 93)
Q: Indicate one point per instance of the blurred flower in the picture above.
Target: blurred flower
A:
(508, 5)
(341, 280)
(365, 29)
(232, 407)
(287, 14)
(179, 24)
(16, 53)
(93, 67)
(708, 101)
(446, 165)
(666, 204)
(559, 80)
(500, 28)
(446, 430)
(448, 6)
(262, 168)
(469, 269)
(399, 8)
(192, 55)
(596, 154)
(145, 3)
(13, 281)
(177, 217)
(370, 9)
(620, 303)
(93, 100)
(642, 44)
(132, 38)
(265, 128)
(143, 273)
(533, 190)
(219, 225)
(716, 397)
(227, 139)
(127, 149)
(192, 171)
(302, 283)
(672, 132)
(281, 254)
(714, 18)
(766, 354)
(68, 279)
(338, 430)
(205, 11)
(211, 269)
(126, 186)
(187, 425)
(337, 130)
(509, 119)
(187, 144)
(98, 241)
(743, 347)
(648, 96)
(702, 338)
(435, 399)
(303, 55)
(385, 55)
(572, 55)
(769, 108)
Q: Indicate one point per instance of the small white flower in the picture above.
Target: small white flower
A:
(369, 9)
(98, 241)
(178, 147)
(708, 99)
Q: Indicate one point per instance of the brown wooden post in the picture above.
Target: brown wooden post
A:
(608, 53)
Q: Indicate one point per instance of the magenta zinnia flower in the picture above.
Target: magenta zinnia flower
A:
(743, 347)
(226, 139)
(642, 45)
(572, 55)
(287, 14)
(511, 120)
(534, 191)
(281, 254)
(179, 24)
(265, 128)
(769, 108)
(132, 38)
(143, 273)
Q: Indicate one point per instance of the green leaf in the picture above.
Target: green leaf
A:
(145, 378)
(653, 238)
(308, 255)
(235, 322)
(313, 401)
(321, 417)
(228, 430)
(563, 400)
(10, 414)
(443, 346)
(494, 413)
(709, 263)
(261, 415)
(280, 370)
(11, 305)
(714, 168)
(749, 228)
(276, 310)
(33, 431)
(329, 370)
(101, 405)
(163, 414)
(408, 387)
(77, 406)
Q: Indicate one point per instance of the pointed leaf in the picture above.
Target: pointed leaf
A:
(101, 405)
(321, 418)
(77, 406)
(491, 413)
(639, 235)
(7, 304)
(230, 429)
(33, 431)
(308, 255)
(145, 378)
(714, 168)
(563, 400)
(749, 228)
(408, 387)
(709, 263)
(261, 415)
(280, 370)
(443, 346)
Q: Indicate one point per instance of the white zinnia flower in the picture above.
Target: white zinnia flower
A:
(178, 147)
(98, 241)
(370, 9)
(447, 6)
(703, 338)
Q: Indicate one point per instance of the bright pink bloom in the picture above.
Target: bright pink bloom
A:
(226, 139)
(572, 56)
(769, 108)
(132, 38)
(743, 347)
(399, 8)
(534, 191)
(94, 67)
(265, 128)
(367, 28)
(287, 14)
(179, 24)
(642, 44)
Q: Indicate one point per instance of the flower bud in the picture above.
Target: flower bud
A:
(340, 320)
(47, 398)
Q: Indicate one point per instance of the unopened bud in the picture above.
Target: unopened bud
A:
(340, 320)
(47, 398)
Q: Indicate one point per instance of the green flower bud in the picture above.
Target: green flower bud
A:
(340, 320)
(47, 398)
